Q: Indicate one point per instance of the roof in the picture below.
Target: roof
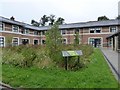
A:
(65, 26)
(115, 34)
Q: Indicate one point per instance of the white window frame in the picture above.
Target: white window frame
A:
(18, 40)
(65, 39)
(65, 32)
(4, 41)
(35, 39)
(96, 38)
(13, 29)
(75, 31)
(44, 32)
(25, 31)
(36, 31)
(41, 41)
(25, 38)
(90, 29)
(2, 26)
(113, 26)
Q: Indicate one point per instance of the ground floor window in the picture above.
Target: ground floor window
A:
(64, 41)
(2, 41)
(43, 42)
(36, 42)
(25, 41)
(95, 42)
(15, 41)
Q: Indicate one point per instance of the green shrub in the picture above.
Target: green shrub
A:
(27, 56)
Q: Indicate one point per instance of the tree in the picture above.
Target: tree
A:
(52, 19)
(76, 40)
(47, 20)
(35, 23)
(60, 21)
(12, 18)
(102, 18)
(118, 17)
(44, 20)
(54, 42)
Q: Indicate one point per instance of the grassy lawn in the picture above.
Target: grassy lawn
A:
(96, 75)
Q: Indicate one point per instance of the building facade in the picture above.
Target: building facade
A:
(94, 32)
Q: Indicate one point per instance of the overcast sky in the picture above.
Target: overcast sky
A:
(71, 10)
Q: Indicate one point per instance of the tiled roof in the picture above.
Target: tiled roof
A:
(65, 26)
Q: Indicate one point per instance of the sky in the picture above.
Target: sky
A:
(72, 11)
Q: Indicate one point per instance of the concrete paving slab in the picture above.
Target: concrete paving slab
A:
(112, 58)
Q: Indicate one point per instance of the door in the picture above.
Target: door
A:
(25, 41)
(95, 42)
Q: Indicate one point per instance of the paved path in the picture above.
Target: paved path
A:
(5, 87)
(113, 60)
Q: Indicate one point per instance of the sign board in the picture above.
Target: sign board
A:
(72, 53)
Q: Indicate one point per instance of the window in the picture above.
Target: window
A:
(15, 28)
(36, 42)
(43, 32)
(26, 31)
(2, 26)
(63, 32)
(92, 31)
(15, 42)
(76, 31)
(64, 41)
(43, 42)
(113, 29)
(95, 42)
(35, 32)
(2, 42)
(25, 41)
(95, 30)
(98, 31)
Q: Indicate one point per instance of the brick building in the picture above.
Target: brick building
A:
(94, 32)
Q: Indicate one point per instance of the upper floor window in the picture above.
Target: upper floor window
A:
(2, 41)
(35, 32)
(15, 28)
(95, 30)
(113, 29)
(2, 26)
(43, 32)
(63, 32)
(76, 31)
(26, 31)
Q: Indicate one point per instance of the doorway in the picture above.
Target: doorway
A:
(25, 41)
(95, 42)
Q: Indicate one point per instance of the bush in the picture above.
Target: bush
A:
(19, 56)
(27, 56)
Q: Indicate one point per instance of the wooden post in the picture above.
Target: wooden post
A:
(66, 59)
(78, 59)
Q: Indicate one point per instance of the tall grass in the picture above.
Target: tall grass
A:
(27, 56)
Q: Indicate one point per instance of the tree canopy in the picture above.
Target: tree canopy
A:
(102, 18)
(48, 20)
(118, 17)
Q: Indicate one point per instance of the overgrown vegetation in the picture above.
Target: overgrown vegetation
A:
(28, 56)
(54, 43)
(96, 75)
